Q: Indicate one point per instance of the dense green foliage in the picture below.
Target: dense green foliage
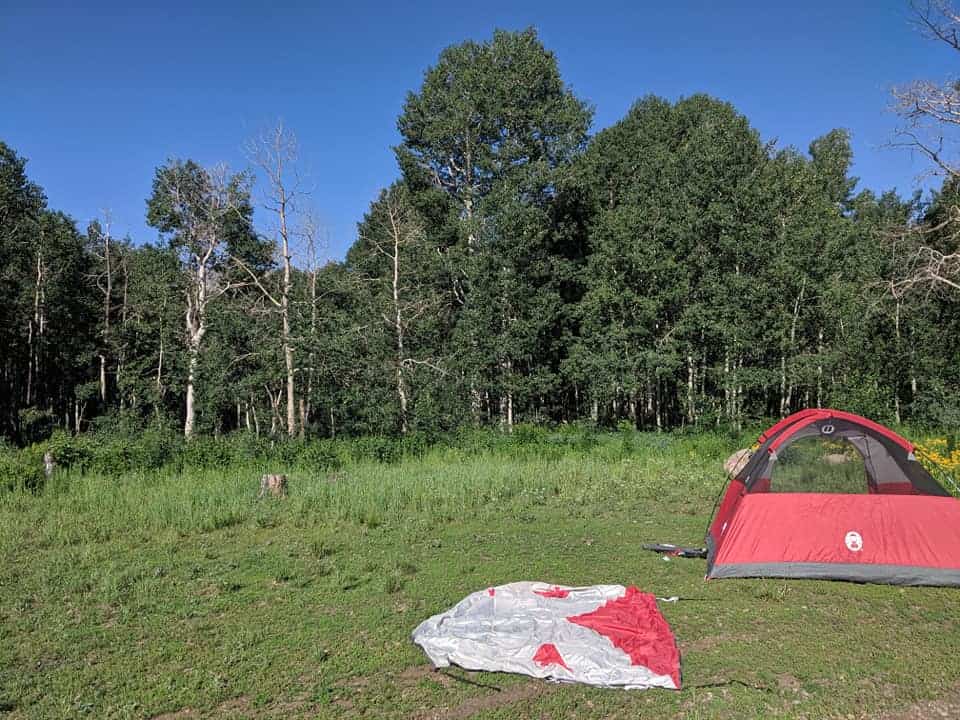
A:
(671, 270)
(135, 593)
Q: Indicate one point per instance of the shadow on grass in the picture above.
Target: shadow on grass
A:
(469, 681)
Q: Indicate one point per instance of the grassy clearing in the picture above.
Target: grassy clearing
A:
(179, 595)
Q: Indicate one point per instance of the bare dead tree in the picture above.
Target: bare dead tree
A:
(124, 261)
(931, 114)
(275, 152)
(927, 268)
(313, 245)
(393, 233)
(104, 281)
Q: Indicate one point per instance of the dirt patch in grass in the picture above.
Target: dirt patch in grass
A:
(947, 706)
(788, 682)
(709, 643)
(297, 707)
(360, 682)
(416, 673)
(182, 714)
(491, 700)
(228, 708)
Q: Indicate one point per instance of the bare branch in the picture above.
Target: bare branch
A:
(937, 19)
(255, 280)
(411, 362)
(931, 112)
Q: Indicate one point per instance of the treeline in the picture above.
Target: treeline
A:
(671, 270)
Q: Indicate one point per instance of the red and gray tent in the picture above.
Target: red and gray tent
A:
(832, 495)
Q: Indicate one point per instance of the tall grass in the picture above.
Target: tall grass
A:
(480, 475)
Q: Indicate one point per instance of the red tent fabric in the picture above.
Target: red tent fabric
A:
(604, 635)
(832, 495)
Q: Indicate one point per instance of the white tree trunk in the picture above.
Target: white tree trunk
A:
(285, 316)
(896, 380)
(196, 326)
(103, 378)
(506, 398)
(820, 367)
(189, 423)
(256, 420)
(783, 385)
(273, 151)
(35, 329)
(398, 329)
(786, 401)
(107, 292)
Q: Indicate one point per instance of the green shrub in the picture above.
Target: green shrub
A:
(526, 434)
(110, 453)
(207, 453)
(247, 447)
(376, 448)
(319, 454)
(35, 425)
(576, 436)
(155, 448)
(626, 427)
(69, 451)
(416, 444)
(283, 451)
(475, 441)
(21, 469)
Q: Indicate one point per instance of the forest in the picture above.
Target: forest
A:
(673, 270)
(239, 470)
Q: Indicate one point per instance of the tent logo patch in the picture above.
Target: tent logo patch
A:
(853, 541)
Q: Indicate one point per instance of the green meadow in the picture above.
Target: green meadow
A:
(175, 593)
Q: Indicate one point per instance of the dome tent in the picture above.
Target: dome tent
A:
(832, 495)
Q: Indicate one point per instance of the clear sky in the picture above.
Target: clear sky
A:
(97, 94)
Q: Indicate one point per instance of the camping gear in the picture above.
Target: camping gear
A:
(832, 495)
(676, 550)
(605, 635)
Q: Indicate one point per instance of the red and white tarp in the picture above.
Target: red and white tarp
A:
(605, 635)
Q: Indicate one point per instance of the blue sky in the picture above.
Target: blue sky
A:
(97, 96)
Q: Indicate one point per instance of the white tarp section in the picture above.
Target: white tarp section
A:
(605, 635)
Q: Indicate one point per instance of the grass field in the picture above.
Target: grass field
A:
(179, 595)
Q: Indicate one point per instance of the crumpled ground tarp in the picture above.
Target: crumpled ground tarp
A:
(605, 635)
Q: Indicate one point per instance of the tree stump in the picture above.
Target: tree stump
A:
(735, 462)
(49, 464)
(273, 485)
(836, 459)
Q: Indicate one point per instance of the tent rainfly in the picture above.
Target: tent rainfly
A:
(606, 635)
(832, 495)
